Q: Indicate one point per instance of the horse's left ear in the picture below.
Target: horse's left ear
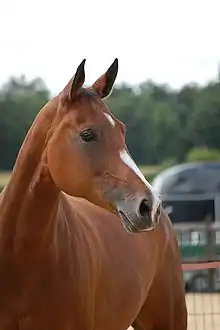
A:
(77, 81)
(104, 84)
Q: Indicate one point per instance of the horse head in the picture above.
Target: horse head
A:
(87, 155)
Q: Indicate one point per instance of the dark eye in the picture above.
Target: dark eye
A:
(88, 135)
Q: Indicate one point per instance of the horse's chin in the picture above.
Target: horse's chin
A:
(129, 226)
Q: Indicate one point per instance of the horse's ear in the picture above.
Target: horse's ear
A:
(104, 84)
(77, 81)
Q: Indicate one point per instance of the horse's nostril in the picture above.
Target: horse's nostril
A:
(144, 208)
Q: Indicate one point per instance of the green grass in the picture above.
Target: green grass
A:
(151, 169)
(148, 170)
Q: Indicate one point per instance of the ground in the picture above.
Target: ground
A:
(203, 311)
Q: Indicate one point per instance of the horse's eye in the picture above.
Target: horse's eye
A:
(88, 135)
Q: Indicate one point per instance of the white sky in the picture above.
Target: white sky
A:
(174, 41)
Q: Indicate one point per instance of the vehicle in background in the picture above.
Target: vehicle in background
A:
(189, 191)
(191, 194)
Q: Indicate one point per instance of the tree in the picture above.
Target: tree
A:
(20, 100)
(163, 124)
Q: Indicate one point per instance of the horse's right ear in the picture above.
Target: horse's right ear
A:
(103, 86)
(77, 81)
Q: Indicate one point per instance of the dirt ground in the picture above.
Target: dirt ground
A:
(203, 311)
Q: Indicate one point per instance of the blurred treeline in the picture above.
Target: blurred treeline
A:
(164, 126)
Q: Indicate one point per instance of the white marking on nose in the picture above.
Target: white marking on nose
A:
(125, 157)
(110, 119)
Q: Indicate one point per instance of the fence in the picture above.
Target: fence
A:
(200, 250)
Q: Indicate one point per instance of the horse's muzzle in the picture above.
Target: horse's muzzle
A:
(137, 214)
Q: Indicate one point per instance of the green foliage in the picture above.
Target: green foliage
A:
(20, 101)
(164, 126)
(203, 154)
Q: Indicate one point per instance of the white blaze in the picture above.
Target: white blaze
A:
(125, 157)
(110, 119)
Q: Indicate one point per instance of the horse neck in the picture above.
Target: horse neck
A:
(29, 177)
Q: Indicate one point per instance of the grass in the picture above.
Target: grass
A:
(148, 170)
(4, 178)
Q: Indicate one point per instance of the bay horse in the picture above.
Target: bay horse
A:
(84, 241)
